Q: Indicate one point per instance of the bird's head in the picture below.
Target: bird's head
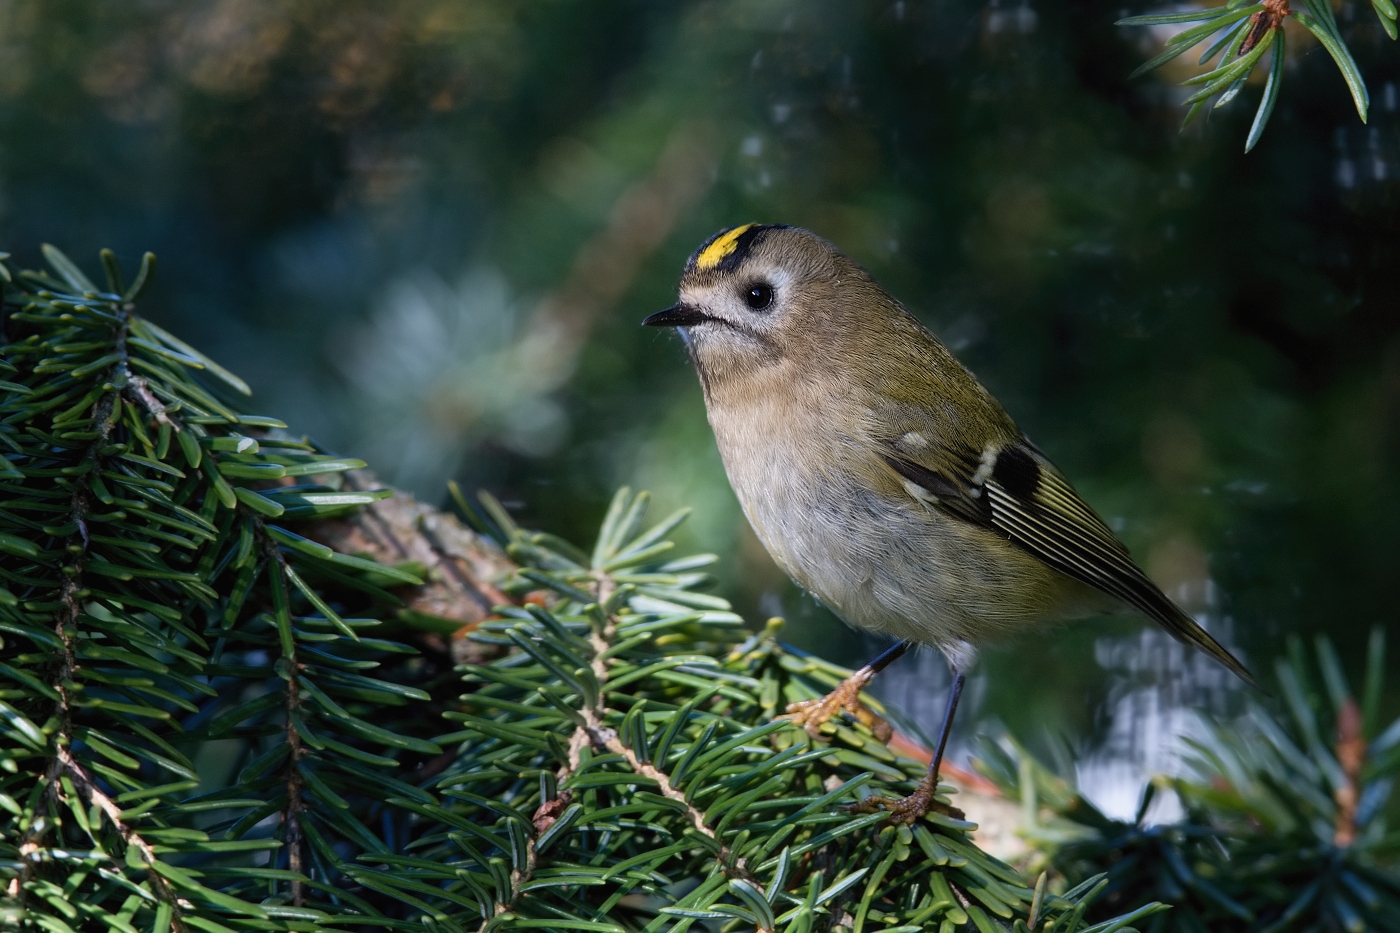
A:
(761, 296)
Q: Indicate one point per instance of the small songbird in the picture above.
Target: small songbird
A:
(881, 475)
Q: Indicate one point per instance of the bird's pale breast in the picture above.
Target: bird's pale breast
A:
(877, 556)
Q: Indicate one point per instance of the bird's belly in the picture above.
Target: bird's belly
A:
(902, 567)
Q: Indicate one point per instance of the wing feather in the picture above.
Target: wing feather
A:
(1030, 503)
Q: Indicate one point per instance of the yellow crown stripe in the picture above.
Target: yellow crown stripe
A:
(721, 247)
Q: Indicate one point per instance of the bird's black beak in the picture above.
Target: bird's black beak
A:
(676, 316)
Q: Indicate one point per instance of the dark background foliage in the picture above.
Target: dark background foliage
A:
(426, 230)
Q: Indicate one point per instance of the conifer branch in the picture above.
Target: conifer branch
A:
(1239, 32)
(66, 626)
(602, 641)
(213, 581)
(1285, 824)
(88, 788)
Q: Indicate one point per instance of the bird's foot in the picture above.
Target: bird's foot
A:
(811, 714)
(908, 810)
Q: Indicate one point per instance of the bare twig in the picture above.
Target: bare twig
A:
(143, 394)
(1271, 17)
(1351, 755)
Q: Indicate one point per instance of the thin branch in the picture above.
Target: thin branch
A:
(143, 394)
(594, 732)
(605, 737)
(294, 838)
(88, 788)
(1351, 755)
(65, 627)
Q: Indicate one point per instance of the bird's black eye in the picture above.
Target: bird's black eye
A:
(758, 296)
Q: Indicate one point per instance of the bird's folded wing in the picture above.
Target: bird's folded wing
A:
(1016, 492)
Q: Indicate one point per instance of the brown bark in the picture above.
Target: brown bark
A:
(1351, 755)
(462, 567)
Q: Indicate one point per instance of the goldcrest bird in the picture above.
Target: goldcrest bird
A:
(882, 476)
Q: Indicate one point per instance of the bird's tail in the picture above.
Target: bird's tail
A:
(1185, 629)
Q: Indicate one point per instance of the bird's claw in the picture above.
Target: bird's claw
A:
(811, 714)
(907, 810)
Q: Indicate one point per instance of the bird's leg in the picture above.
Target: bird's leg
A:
(810, 714)
(909, 809)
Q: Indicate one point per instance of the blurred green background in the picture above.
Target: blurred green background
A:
(426, 231)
